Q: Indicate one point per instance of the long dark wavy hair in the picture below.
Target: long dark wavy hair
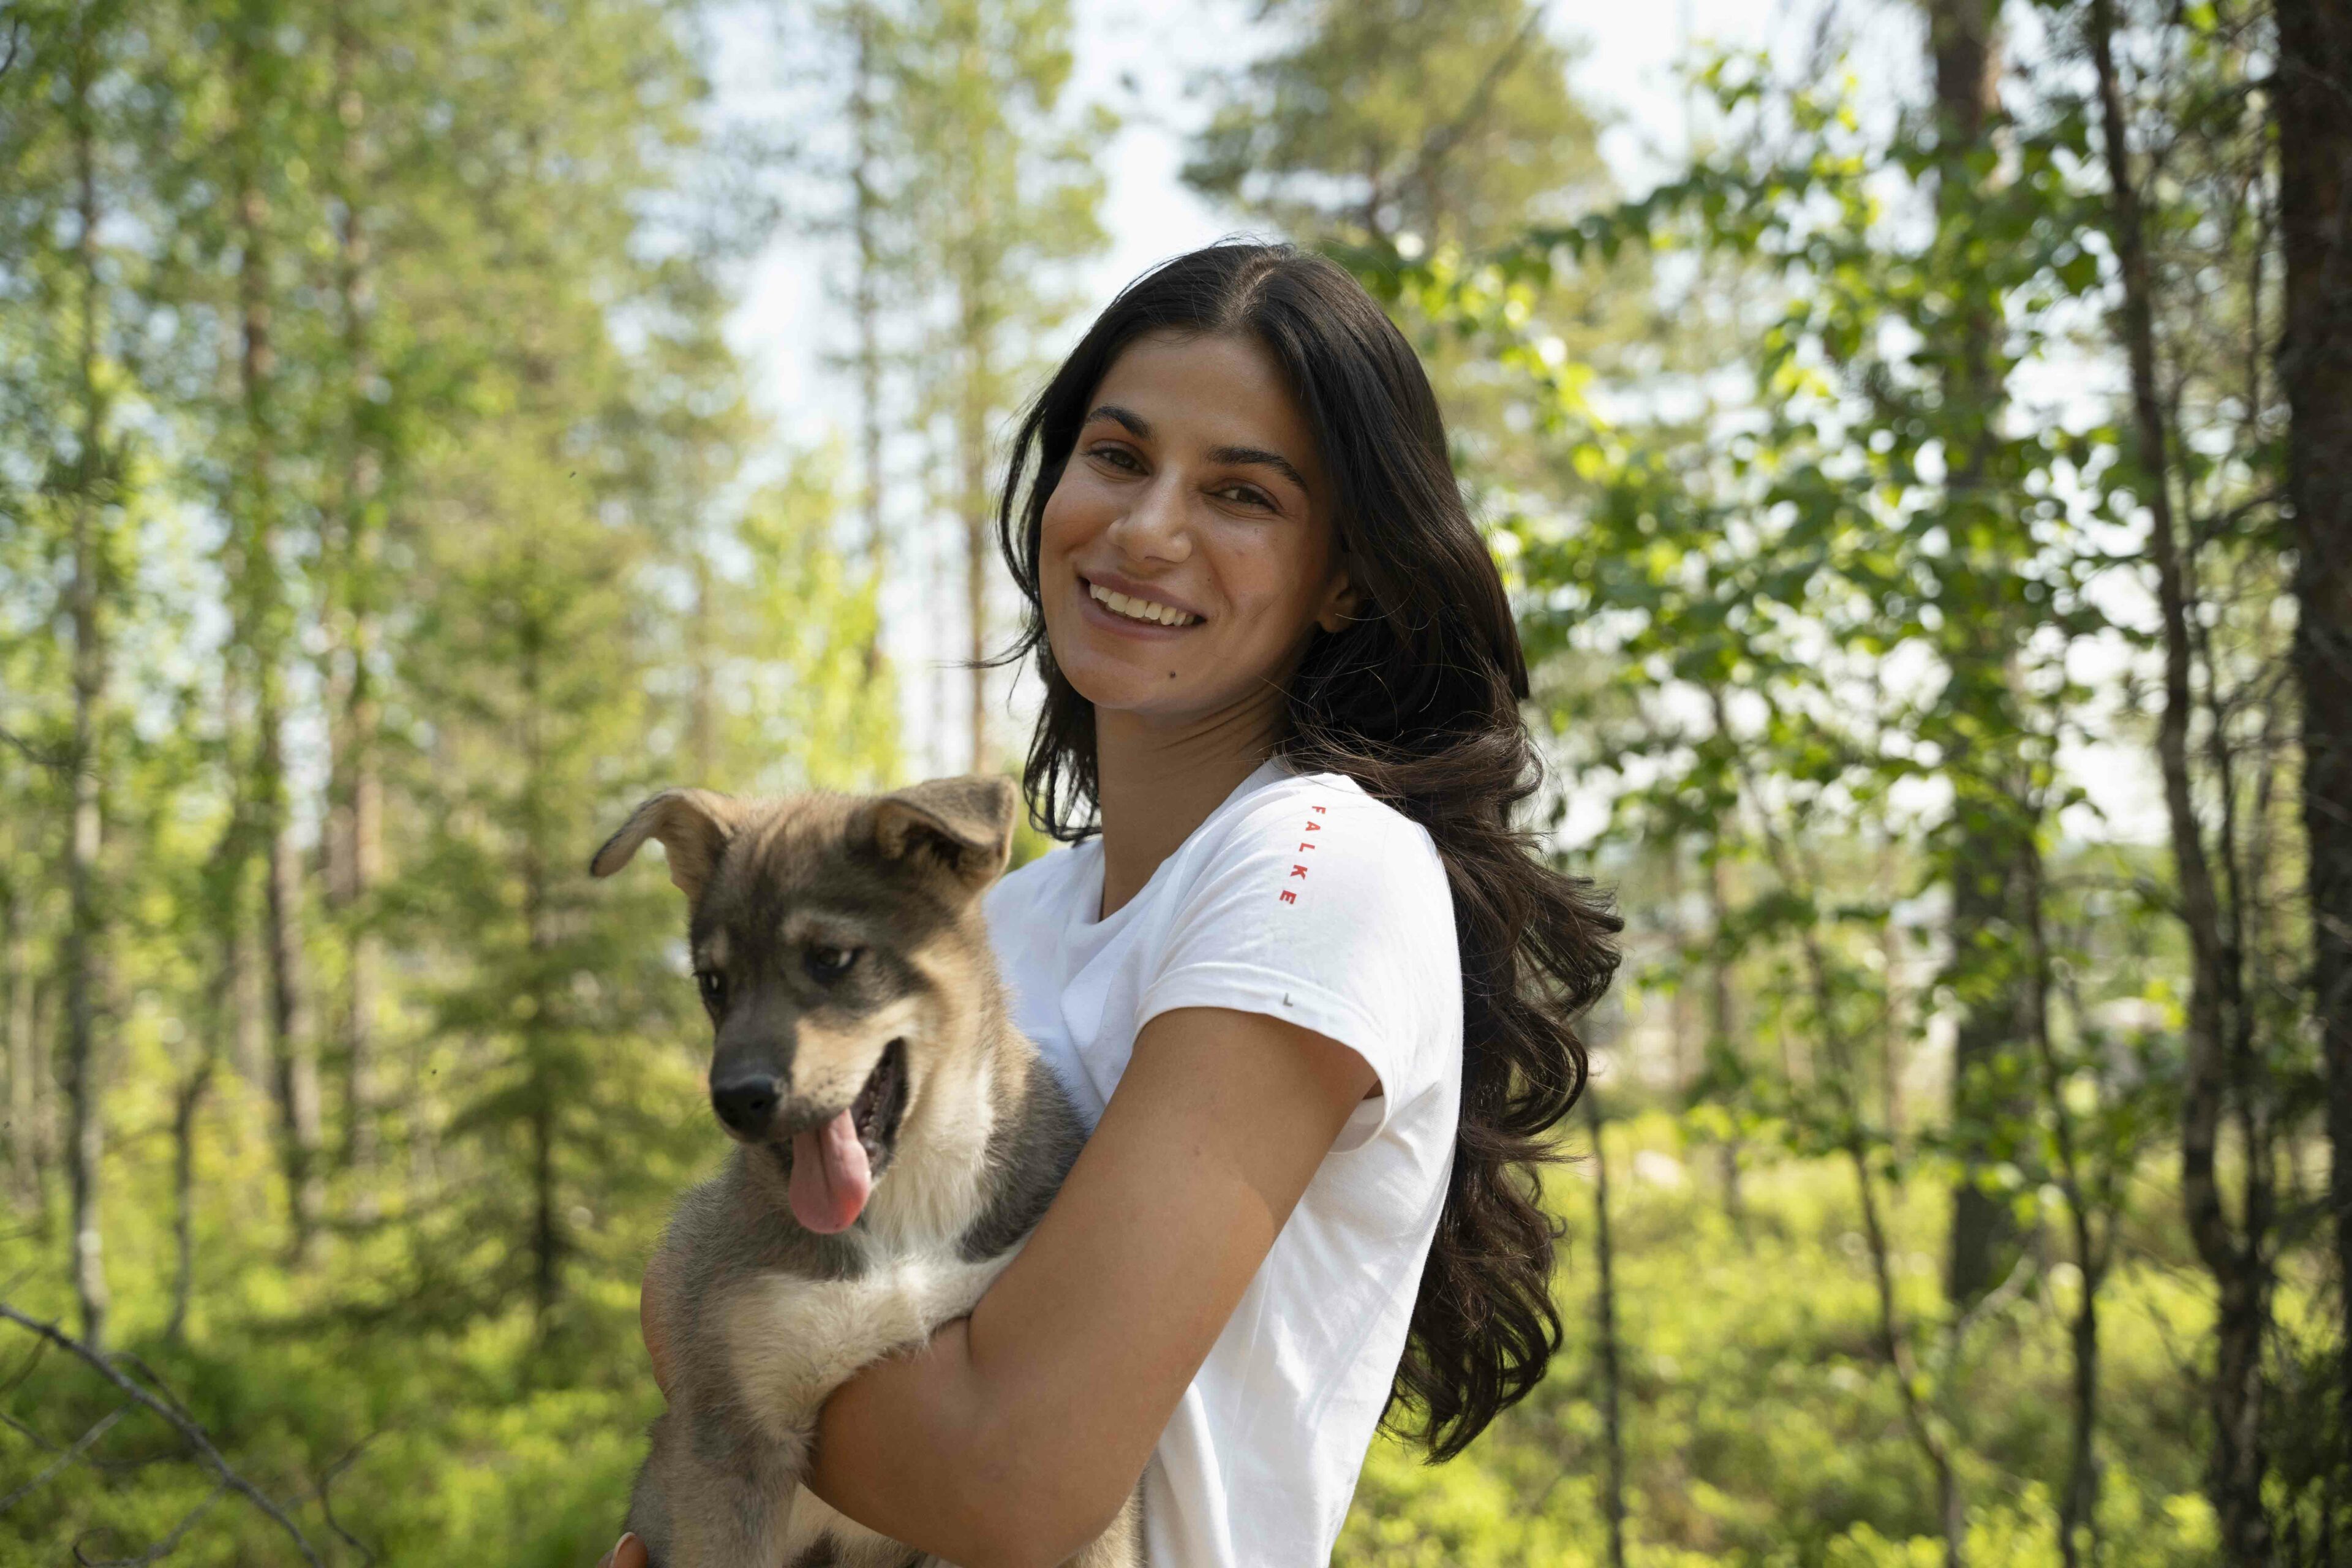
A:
(1417, 698)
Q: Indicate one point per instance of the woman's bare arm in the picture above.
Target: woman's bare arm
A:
(1016, 1436)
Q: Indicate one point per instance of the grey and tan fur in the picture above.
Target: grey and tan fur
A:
(966, 1132)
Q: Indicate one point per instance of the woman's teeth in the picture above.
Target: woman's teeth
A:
(1139, 609)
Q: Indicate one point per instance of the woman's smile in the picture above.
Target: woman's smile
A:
(1123, 604)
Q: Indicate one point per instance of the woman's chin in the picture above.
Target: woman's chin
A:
(1132, 691)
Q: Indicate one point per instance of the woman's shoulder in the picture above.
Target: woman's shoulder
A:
(1303, 807)
(1332, 850)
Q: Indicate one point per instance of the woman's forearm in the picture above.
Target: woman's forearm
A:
(1016, 1436)
(931, 1451)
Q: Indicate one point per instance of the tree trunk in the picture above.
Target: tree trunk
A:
(1964, 48)
(2078, 1507)
(366, 959)
(1604, 1311)
(290, 1017)
(25, 1064)
(547, 1239)
(1682, 1017)
(187, 1099)
(2240, 1267)
(1721, 1024)
(267, 615)
(868, 307)
(1842, 1082)
(2314, 366)
(356, 850)
(86, 978)
(1949, 1509)
(248, 1035)
(972, 452)
(702, 695)
(42, 1003)
(2078, 1500)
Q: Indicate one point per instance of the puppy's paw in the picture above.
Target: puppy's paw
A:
(791, 1341)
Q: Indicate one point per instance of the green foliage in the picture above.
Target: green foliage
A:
(1762, 1429)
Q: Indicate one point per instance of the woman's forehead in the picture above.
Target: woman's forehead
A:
(1219, 390)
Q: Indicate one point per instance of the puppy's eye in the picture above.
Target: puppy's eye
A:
(714, 988)
(828, 963)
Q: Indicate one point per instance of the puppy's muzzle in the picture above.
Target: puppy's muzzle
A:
(755, 1103)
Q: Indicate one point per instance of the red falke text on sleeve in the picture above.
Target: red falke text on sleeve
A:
(1299, 871)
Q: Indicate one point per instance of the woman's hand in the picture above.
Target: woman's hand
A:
(630, 1552)
(656, 1336)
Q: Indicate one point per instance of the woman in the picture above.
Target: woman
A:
(1315, 988)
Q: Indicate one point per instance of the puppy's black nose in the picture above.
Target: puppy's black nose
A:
(747, 1104)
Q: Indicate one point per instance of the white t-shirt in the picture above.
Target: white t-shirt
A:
(1303, 898)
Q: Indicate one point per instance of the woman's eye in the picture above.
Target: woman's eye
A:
(1246, 496)
(828, 962)
(714, 988)
(1118, 455)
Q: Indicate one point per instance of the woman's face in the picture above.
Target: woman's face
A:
(1189, 551)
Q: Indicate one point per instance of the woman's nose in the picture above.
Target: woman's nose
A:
(1155, 527)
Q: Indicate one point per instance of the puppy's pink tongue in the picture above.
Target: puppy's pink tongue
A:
(830, 1176)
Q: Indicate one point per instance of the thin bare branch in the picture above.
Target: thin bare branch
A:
(161, 1549)
(195, 1435)
(327, 1503)
(56, 762)
(81, 1445)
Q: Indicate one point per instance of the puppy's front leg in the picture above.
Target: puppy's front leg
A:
(791, 1341)
(712, 1495)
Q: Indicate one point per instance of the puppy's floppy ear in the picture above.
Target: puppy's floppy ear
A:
(964, 825)
(693, 825)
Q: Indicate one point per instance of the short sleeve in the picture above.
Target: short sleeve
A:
(1331, 910)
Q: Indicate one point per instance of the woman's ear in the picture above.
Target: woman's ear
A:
(1342, 599)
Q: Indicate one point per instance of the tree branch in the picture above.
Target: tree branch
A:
(1442, 141)
(66, 1456)
(194, 1434)
(56, 762)
(161, 1549)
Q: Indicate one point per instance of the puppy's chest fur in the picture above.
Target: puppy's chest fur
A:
(792, 1340)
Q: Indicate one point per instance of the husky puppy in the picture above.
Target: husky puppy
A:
(897, 1140)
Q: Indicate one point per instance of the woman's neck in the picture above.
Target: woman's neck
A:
(1157, 783)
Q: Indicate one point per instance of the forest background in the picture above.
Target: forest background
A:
(1927, 495)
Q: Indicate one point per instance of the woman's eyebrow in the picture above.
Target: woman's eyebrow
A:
(1136, 425)
(1275, 460)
